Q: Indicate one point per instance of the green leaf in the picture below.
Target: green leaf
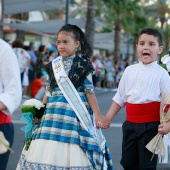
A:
(29, 109)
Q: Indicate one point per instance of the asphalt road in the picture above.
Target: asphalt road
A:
(113, 134)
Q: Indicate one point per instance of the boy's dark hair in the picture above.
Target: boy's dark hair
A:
(154, 32)
(79, 35)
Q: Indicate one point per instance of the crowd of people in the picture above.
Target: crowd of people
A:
(107, 72)
(31, 65)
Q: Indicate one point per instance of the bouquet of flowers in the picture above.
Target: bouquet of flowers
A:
(4, 144)
(31, 109)
(156, 145)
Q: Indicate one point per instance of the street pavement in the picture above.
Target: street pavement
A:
(113, 134)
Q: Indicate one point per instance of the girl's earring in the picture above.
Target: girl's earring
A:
(77, 51)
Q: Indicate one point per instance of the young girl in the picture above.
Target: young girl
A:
(66, 137)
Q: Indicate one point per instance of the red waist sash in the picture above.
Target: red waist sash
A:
(5, 118)
(142, 113)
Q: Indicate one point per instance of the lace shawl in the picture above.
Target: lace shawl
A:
(80, 68)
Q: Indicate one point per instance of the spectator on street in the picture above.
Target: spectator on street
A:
(24, 61)
(38, 86)
(110, 76)
(42, 59)
(32, 66)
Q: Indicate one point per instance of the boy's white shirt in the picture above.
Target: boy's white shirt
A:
(138, 83)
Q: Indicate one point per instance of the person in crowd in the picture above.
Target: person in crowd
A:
(42, 59)
(125, 63)
(32, 66)
(52, 55)
(103, 72)
(110, 76)
(24, 61)
(98, 69)
(67, 130)
(140, 90)
(38, 86)
(94, 75)
(10, 94)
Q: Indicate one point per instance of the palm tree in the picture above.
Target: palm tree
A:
(116, 12)
(158, 12)
(90, 22)
(133, 23)
(21, 17)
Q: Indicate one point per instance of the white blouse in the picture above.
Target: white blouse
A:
(142, 84)
(10, 81)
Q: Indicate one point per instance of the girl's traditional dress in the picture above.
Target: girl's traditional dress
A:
(60, 142)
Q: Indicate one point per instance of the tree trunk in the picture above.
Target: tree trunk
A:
(117, 41)
(134, 58)
(20, 34)
(21, 17)
(1, 17)
(90, 23)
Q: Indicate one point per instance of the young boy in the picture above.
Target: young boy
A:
(140, 90)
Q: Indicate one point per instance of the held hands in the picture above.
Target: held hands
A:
(102, 122)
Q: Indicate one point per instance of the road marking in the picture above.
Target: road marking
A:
(18, 122)
(116, 125)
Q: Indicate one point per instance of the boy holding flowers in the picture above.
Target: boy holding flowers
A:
(140, 90)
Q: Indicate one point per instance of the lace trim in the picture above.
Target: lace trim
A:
(25, 165)
(80, 68)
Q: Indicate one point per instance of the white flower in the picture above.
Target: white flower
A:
(163, 58)
(34, 102)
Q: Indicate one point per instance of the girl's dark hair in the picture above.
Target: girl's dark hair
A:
(86, 50)
(154, 32)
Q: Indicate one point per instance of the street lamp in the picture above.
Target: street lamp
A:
(68, 2)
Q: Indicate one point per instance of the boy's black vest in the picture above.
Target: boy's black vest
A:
(80, 68)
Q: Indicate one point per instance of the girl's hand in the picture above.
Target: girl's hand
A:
(164, 128)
